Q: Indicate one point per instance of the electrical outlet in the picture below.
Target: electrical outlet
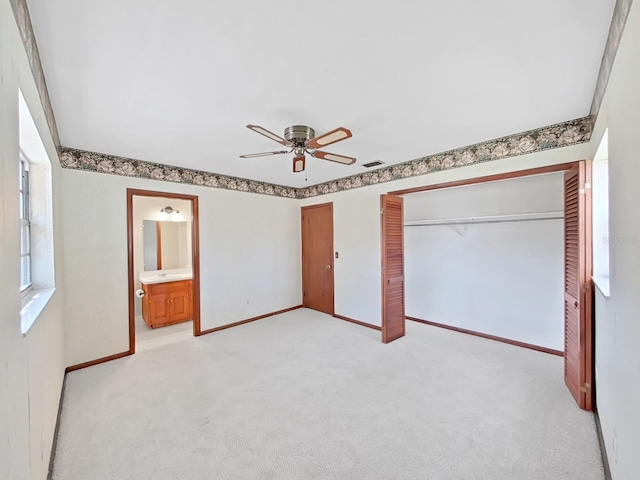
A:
(337, 256)
(247, 301)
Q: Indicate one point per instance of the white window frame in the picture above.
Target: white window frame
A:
(37, 213)
(25, 221)
(600, 220)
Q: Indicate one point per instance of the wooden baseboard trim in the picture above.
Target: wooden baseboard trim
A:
(56, 429)
(248, 320)
(603, 449)
(358, 322)
(98, 361)
(490, 337)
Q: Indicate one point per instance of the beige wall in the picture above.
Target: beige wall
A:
(249, 258)
(31, 365)
(618, 318)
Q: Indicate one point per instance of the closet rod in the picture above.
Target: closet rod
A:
(527, 217)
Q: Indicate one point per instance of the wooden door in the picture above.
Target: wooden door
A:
(317, 257)
(578, 316)
(392, 242)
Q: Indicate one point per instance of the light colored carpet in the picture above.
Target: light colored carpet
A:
(306, 396)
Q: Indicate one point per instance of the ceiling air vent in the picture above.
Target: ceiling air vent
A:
(373, 164)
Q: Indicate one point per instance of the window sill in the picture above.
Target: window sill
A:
(32, 306)
(603, 285)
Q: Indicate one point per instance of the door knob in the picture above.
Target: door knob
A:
(328, 267)
(575, 304)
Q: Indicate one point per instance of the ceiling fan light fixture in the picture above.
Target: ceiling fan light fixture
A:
(301, 139)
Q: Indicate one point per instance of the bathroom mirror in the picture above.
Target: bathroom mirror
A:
(166, 245)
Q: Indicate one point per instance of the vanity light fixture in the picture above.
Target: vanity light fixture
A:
(167, 212)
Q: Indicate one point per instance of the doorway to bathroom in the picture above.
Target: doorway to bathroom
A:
(164, 276)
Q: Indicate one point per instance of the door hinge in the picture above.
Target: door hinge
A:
(585, 388)
(382, 211)
(304, 294)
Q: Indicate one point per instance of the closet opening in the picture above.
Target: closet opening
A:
(509, 261)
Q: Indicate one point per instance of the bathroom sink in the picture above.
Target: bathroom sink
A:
(165, 277)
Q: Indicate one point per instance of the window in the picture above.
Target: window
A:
(25, 228)
(600, 202)
(37, 273)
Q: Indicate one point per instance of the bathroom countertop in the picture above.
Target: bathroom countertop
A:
(148, 278)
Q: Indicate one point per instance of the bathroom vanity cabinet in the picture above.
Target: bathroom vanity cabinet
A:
(167, 303)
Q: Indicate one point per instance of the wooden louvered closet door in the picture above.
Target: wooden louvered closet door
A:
(392, 226)
(578, 369)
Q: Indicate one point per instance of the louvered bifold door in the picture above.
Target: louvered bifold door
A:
(392, 227)
(577, 281)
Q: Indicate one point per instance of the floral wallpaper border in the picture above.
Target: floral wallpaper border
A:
(102, 163)
(545, 138)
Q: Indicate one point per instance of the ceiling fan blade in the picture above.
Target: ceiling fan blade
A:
(265, 154)
(335, 158)
(298, 164)
(328, 138)
(268, 134)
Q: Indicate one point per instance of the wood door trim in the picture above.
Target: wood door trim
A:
(560, 167)
(195, 258)
(357, 322)
(587, 283)
(248, 320)
(333, 274)
(530, 346)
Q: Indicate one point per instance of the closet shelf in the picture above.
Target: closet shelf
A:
(519, 217)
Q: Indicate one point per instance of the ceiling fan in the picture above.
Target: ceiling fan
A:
(302, 139)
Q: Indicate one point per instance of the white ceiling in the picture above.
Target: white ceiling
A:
(176, 82)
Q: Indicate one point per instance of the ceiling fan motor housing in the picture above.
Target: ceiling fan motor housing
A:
(299, 135)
